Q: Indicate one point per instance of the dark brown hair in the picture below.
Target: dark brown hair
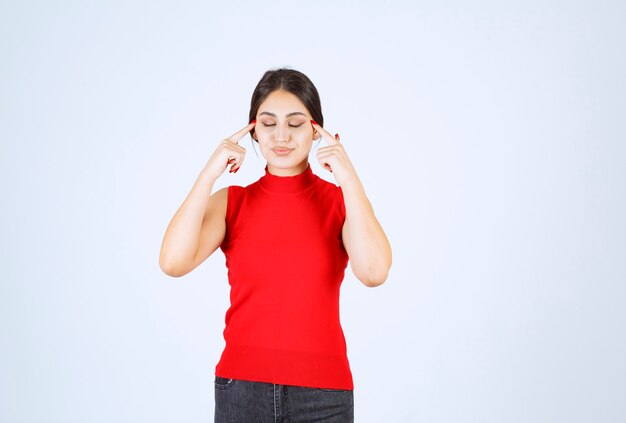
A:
(292, 81)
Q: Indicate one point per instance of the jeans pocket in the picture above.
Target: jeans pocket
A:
(223, 383)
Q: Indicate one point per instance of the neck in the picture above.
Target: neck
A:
(288, 171)
(293, 184)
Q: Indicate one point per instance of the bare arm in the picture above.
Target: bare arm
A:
(363, 237)
(196, 230)
(199, 226)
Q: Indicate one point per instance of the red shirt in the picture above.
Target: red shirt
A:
(286, 262)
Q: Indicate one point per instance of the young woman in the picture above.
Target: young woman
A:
(287, 239)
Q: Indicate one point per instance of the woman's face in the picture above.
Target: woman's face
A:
(284, 133)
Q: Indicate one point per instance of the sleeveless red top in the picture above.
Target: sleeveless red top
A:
(286, 262)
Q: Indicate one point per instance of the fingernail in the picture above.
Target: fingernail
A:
(254, 121)
(313, 122)
(236, 170)
(337, 137)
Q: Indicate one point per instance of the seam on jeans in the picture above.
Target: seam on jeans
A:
(275, 414)
(286, 407)
(228, 384)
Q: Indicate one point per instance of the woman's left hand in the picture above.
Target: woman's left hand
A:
(361, 234)
(333, 157)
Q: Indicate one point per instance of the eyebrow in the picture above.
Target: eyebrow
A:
(288, 114)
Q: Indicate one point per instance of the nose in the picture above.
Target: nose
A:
(282, 134)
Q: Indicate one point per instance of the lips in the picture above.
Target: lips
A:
(282, 151)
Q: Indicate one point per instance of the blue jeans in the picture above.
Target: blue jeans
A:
(241, 401)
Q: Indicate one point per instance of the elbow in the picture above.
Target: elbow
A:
(170, 268)
(374, 274)
(373, 280)
(373, 277)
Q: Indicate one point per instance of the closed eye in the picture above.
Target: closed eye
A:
(267, 124)
(296, 126)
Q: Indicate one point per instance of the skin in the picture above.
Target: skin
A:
(283, 122)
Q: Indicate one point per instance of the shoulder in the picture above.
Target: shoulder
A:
(331, 195)
(231, 198)
(328, 188)
(219, 201)
(220, 196)
(236, 191)
(233, 193)
(323, 183)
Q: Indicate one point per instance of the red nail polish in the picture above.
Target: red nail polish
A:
(313, 122)
(236, 170)
(254, 121)
(337, 137)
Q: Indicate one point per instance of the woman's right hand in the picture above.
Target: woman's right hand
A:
(227, 152)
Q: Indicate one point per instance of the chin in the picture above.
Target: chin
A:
(285, 163)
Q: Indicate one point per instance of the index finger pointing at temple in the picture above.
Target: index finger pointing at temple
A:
(326, 135)
(243, 131)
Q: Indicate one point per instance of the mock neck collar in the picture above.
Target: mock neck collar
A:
(287, 184)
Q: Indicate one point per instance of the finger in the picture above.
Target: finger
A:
(237, 163)
(243, 131)
(232, 150)
(336, 149)
(325, 134)
(323, 159)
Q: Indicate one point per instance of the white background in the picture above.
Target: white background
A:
(489, 137)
